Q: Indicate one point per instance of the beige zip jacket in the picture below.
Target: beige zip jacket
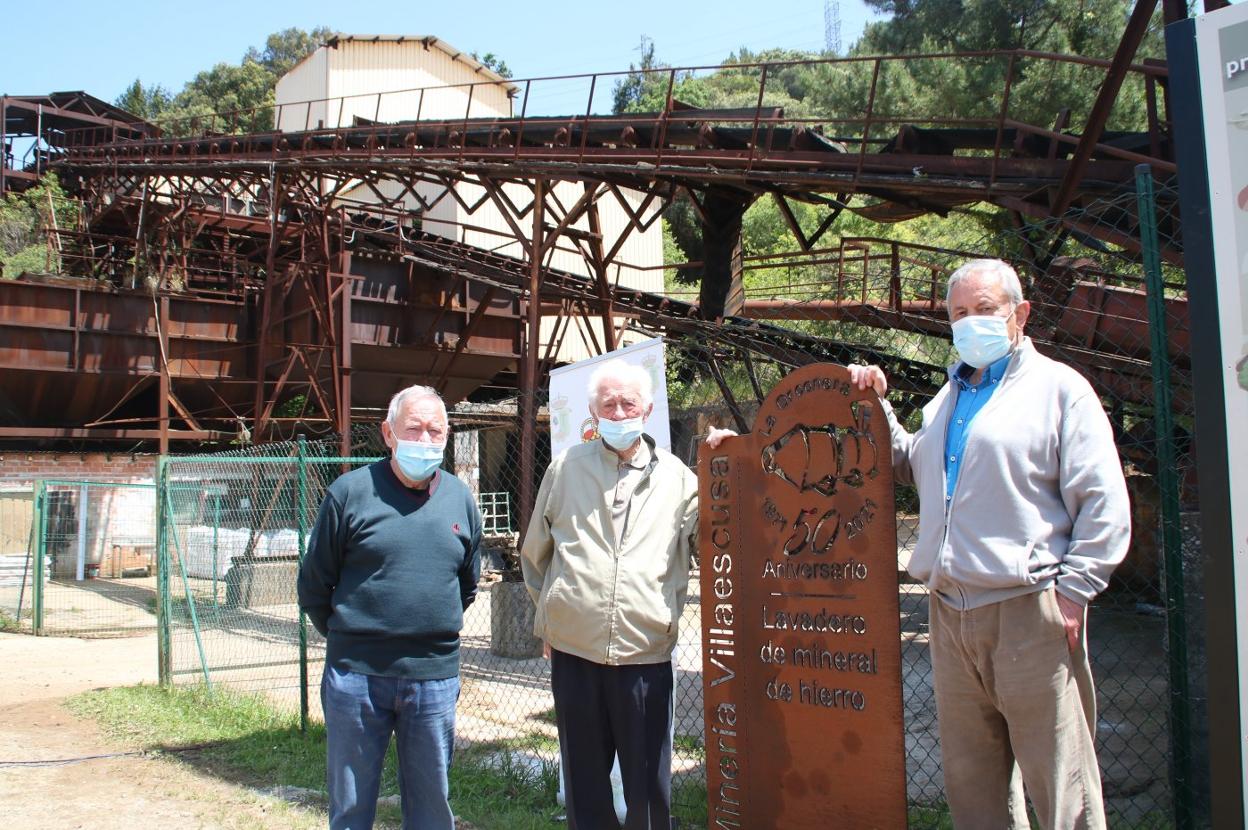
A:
(607, 600)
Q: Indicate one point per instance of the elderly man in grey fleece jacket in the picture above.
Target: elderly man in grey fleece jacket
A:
(1023, 516)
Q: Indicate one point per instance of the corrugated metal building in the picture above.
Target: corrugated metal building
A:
(399, 78)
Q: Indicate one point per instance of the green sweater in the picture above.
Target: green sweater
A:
(389, 571)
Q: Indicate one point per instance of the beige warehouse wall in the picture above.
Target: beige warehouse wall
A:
(358, 71)
(16, 512)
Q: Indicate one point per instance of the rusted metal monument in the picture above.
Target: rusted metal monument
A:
(800, 633)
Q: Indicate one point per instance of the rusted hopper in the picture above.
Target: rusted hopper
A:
(82, 359)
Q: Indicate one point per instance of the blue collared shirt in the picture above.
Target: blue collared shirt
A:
(966, 406)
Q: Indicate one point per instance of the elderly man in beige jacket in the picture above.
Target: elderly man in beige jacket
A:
(606, 558)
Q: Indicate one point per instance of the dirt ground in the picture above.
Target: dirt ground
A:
(111, 793)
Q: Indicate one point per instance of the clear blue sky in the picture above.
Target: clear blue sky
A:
(100, 47)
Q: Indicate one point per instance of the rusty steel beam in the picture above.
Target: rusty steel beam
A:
(345, 359)
(722, 291)
(1132, 36)
(260, 411)
(4, 142)
(106, 434)
(598, 266)
(162, 322)
(528, 375)
(738, 417)
(13, 102)
(465, 336)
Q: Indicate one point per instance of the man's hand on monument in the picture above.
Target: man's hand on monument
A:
(716, 437)
(1072, 617)
(864, 376)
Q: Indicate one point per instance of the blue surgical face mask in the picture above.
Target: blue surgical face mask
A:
(981, 339)
(418, 460)
(620, 435)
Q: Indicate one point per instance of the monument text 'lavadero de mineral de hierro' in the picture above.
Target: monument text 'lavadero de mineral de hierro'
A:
(800, 627)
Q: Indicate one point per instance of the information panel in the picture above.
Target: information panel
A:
(800, 626)
(1222, 47)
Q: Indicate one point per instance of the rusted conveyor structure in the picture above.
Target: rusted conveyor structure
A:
(225, 285)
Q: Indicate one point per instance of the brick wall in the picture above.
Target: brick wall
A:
(22, 469)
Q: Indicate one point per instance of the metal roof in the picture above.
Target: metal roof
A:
(430, 42)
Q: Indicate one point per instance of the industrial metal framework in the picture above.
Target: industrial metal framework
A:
(225, 286)
(43, 120)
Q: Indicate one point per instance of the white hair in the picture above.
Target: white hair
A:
(617, 369)
(1000, 272)
(413, 393)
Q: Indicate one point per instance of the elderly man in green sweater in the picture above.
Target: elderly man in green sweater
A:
(1023, 515)
(391, 566)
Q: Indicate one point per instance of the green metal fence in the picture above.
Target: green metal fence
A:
(89, 564)
(234, 527)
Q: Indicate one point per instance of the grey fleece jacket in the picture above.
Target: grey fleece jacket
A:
(1040, 499)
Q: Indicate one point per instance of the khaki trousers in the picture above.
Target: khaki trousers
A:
(1010, 692)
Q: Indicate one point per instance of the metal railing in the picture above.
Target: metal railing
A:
(278, 129)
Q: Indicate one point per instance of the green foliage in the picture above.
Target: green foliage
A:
(23, 218)
(1041, 89)
(689, 746)
(494, 63)
(502, 789)
(244, 90)
(244, 93)
(147, 102)
(640, 89)
(1084, 27)
(293, 407)
(920, 91)
(282, 50)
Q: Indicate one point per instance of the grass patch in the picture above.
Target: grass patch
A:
(248, 741)
(689, 802)
(935, 817)
(8, 622)
(689, 746)
(499, 789)
(245, 740)
(535, 743)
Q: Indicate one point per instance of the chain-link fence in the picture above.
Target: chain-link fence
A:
(237, 522)
(79, 559)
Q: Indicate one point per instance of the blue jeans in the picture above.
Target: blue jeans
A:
(361, 711)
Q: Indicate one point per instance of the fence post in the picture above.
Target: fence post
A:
(164, 640)
(1167, 479)
(303, 618)
(216, 528)
(41, 558)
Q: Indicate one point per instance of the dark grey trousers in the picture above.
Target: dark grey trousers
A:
(602, 711)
